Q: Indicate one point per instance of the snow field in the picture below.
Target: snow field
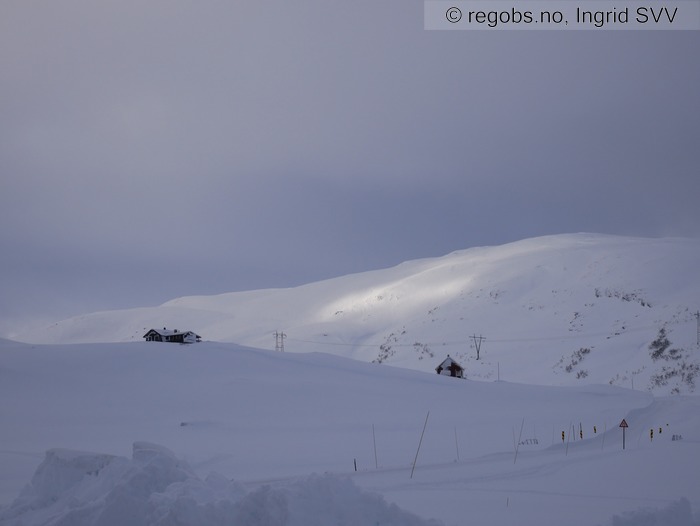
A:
(259, 419)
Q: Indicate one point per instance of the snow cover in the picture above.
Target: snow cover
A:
(551, 297)
(155, 488)
(131, 432)
(249, 436)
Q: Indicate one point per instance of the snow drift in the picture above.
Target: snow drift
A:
(154, 488)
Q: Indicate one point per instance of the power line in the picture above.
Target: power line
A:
(575, 336)
(348, 344)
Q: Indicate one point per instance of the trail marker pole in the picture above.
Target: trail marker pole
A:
(374, 439)
(419, 444)
(602, 445)
(456, 444)
(519, 439)
(624, 426)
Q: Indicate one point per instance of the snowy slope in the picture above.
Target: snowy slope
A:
(547, 297)
(264, 422)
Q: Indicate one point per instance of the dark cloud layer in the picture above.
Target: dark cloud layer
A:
(155, 149)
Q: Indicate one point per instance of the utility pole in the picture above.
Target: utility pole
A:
(697, 317)
(279, 341)
(477, 343)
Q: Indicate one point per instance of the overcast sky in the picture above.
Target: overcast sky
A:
(151, 150)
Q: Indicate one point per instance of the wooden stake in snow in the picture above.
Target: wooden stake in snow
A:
(419, 444)
(604, 432)
(456, 444)
(519, 439)
(374, 439)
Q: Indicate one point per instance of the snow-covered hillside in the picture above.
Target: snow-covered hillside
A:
(214, 434)
(585, 308)
(103, 429)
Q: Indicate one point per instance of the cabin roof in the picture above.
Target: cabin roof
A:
(169, 332)
(447, 362)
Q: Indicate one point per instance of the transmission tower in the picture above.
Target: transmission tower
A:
(477, 343)
(279, 340)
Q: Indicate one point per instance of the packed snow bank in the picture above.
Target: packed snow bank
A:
(676, 514)
(72, 488)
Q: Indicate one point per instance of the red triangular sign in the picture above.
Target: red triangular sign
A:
(623, 423)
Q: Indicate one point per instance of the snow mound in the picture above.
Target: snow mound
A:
(676, 514)
(71, 488)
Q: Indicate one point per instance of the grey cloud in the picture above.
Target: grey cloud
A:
(164, 148)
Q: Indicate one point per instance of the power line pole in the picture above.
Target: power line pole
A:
(477, 343)
(279, 341)
(697, 317)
